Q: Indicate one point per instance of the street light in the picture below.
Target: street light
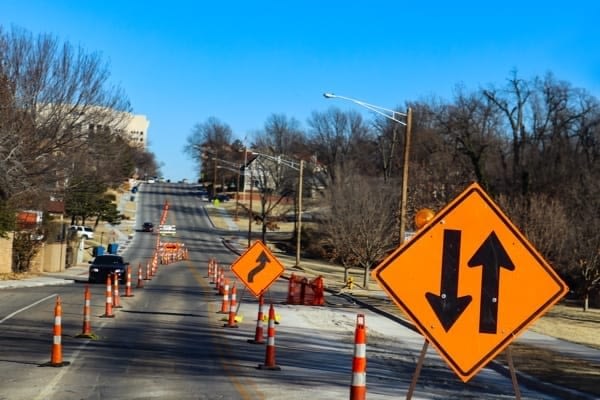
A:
(391, 114)
(300, 169)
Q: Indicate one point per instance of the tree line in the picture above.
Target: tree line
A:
(60, 125)
(533, 144)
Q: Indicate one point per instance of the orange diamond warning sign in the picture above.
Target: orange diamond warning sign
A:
(257, 268)
(470, 281)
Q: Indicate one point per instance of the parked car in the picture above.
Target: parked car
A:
(102, 266)
(148, 227)
(83, 231)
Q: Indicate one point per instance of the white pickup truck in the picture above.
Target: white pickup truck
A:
(83, 231)
(167, 230)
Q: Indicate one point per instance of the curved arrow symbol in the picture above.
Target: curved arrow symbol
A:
(448, 306)
(262, 263)
(491, 256)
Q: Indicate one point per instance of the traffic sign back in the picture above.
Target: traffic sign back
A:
(257, 268)
(470, 281)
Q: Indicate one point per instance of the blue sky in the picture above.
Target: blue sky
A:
(181, 62)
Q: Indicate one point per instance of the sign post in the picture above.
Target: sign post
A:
(470, 282)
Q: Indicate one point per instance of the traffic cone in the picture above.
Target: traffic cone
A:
(258, 334)
(108, 313)
(218, 281)
(56, 356)
(155, 265)
(86, 332)
(140, 278)
(215, 271)
(128, 292)
(116, 298)
(225, 303)
(231, 323)
(210, 271)
(148, 276)
(270, 352)
(358, 389)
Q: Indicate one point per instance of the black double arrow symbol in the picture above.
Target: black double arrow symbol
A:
(448, 306)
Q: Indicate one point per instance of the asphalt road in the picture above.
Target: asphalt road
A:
(169, 340)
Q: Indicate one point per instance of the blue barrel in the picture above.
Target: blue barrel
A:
(112, 248)
(98, 251)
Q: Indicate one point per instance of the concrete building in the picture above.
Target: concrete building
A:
(135, 130)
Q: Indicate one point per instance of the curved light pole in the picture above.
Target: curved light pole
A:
(391, 114)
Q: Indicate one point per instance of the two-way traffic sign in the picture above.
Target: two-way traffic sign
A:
(257, 268)
(470, 281)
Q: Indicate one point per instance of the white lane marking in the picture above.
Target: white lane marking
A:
(27, 308)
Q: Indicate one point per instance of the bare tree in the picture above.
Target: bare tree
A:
(360, 227)
(281, 135)
(512, 102)
(335, 137)
(209, 141)
(51, 93)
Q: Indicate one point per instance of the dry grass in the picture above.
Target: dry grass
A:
(571, 323)
(568, 323)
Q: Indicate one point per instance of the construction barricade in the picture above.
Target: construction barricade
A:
(170, 252)
(301, 290)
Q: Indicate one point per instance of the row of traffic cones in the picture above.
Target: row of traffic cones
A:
(358, 384)
(112, 301)
(217, 277)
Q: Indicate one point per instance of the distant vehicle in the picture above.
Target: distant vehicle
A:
(167, 230)
(134, 189)
(203, 193)
(83, 231)
(102, 266)
(151, 180)
(148, 227)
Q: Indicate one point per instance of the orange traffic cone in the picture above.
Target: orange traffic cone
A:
(225, 303)
(270, 352)
(56, 357)
(232, 310)
(358, 390)
(128, 292)
(86, 332)
(215, 271)
(148, 276)
(140, 278)
(154, 268)
(218, 280)
(258, 334)
(116, 298)
(108, 310)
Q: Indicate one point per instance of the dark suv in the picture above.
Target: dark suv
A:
(148, 227)
(105, 265)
